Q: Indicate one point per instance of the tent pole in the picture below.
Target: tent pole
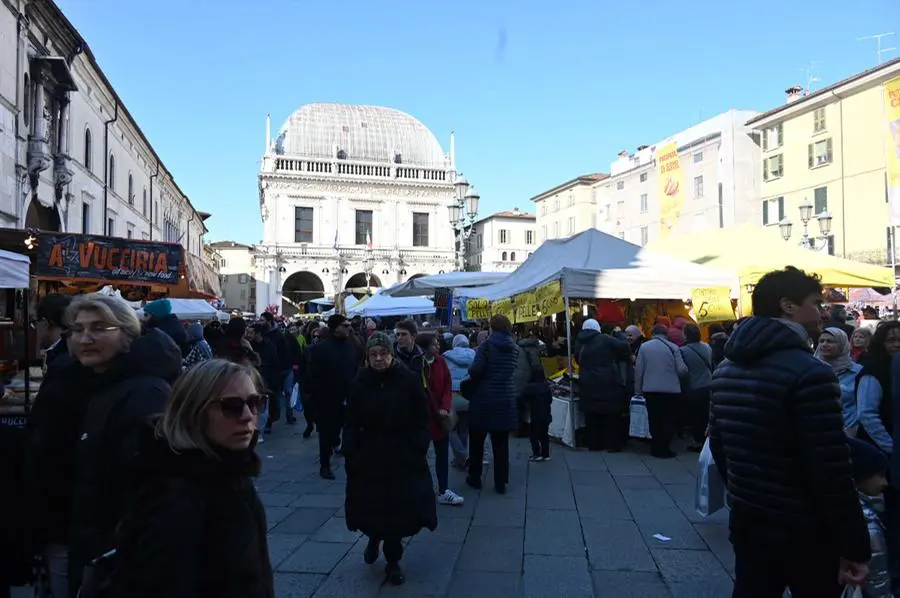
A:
(894, 268)
(568, 337)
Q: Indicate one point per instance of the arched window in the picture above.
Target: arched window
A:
(111, 178)
(130, 190)
(144, 205)
(512, 256)
(88, 150)
(503, 256)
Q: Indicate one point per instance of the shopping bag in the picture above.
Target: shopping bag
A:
(852, 592)
(640, 422)
(709, 493)
(295, 398)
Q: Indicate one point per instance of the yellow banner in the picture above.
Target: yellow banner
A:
(505, 307)
(712, 304)
(892, 114)
(549, 299)
(671, 187)
(478, 309)
(527, 309)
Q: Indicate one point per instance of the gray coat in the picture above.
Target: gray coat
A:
(659, 367)
(698, 357)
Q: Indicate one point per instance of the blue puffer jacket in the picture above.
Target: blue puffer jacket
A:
(459, 360)
(493, 404)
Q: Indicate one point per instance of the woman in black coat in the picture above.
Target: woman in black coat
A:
(602, 359)
(197, 528)
(390, 493)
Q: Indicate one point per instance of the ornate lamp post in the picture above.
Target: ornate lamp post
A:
(463, 212)
(807, 242)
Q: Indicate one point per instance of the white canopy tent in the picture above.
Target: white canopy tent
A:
(380, 304)
(595, 265)
(349, 301)
(14, 270)
(427, 285)
(191, 309)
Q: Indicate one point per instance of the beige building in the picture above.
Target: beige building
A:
(827, 148)
(567, 209)
(719, 162)
(236, 274)
(501, 242)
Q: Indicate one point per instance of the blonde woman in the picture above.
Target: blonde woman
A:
(197, 528)
(83, 431)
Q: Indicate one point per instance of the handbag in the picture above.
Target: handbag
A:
(448, 422)
(639, 426)
(852, 592)
(709, 493)
(295, 398)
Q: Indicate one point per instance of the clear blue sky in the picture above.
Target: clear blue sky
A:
(538, 91)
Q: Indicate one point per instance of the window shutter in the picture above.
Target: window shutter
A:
(765, 140)
(765, 212)
(828, 148)
(811, 155)
(780, 209)
(766, 170)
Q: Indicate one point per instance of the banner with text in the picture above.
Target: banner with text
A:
(478, 309)
(712, 304)
(504, 307)
(892, 115)
(671, 187)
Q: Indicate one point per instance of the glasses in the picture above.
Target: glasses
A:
(93, 330)
(233, 407)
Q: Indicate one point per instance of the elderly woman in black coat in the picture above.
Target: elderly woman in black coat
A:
(603, 360)
(390, 494)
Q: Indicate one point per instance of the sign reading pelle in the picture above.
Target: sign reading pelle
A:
(81, 257)
(712, 304)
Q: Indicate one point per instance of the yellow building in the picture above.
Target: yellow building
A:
(567, 209)
(827, 148)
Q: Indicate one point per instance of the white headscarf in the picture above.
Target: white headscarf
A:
(591, 324)
(843, 362)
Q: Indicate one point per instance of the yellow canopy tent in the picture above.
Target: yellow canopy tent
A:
(751, 251)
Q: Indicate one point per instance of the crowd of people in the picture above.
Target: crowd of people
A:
(141, 441)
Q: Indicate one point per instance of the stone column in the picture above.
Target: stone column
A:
(62, 125)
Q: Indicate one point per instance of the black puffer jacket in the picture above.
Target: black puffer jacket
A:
(776, 431)
(602, 361)
(196, 529)
(122, 400)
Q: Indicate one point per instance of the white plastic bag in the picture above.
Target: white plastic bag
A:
(709, 494)
(639, 423)
(295, 396)
(852, 592)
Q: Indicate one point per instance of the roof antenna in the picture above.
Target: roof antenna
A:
(879, 50)
(810, 78)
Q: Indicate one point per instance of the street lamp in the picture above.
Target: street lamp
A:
(463, 212)
(806, 214)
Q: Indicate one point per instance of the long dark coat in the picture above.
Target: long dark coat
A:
(494, 404)
(389, 487)
(602, 360)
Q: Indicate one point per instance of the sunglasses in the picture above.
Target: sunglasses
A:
(233, 407)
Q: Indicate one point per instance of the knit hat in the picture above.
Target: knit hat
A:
(335, 320)
(867, 459)
(460, 340)
(380, 339)
(159, 308)
(194, 332)
(591, 324)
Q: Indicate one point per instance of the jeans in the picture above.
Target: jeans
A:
(459, 439)
(288, 389)
(500, 446)
(540, 439)
(57, 558)
(442, 462)
(662, 409)
(806, 567)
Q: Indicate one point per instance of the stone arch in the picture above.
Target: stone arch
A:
(360, 281)
(42, 218)
(298, 288)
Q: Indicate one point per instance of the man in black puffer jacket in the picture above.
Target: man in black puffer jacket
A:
(776, 433)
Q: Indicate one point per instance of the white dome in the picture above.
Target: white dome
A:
(364, 133)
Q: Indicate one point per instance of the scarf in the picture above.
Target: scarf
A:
(843, 362)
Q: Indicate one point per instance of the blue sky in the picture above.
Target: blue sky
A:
(537, 91)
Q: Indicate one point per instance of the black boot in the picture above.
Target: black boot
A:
(371, 553)
(308, 431)
(394, 574)
(326, 473)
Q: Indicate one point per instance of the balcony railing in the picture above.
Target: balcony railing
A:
(344, 168)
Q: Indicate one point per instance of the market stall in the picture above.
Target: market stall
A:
(382, 305)
(19, 382)
(192, 309)
(427, 285)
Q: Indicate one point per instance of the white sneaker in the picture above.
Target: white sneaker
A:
(449, 497)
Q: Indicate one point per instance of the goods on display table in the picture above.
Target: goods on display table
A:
(23, 385)
(18, 395)
(566, 414)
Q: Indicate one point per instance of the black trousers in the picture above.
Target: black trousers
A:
(500, 446)
(662, 410)
(604, 431)
(807, 568)
(392, 548)
(540, 439)
(697, 407)
(329, 425)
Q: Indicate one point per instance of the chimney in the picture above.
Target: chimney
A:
(516, 211)
(793, 93)
(623, 154)
(641, 148)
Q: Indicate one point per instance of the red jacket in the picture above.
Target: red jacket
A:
(440, 395)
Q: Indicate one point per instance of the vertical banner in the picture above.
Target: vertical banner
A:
(671, 187)
(892, 116)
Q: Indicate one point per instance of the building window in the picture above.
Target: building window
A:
(773, 167)
(643, 177)
(608, 212)
(620, 185)
(820, 153)
(818, 120)
(698, 157)
(129, 233)
(620, 209)
(529, 237)
(543, 232)
(88, 150)
(571, 198)
(543, 209)
(130, 189)
(420, 229)
(27, 92)
(303, 225)
(556, 229)
(363, 227)
(144, 202)
(622, 235)
(571, 225)
(85, 218)
(110, 227)
(112, 173)
(503, 256)
(512, 256)
(645, 235)
(555, 205)
(504, 236)
(698, 186)
(773, 205)
(821, 200)
(644, 207)
(773, 137)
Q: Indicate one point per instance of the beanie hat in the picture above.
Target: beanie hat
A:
(335, 320)
(591, 324)
(194, 332)
(867, 459)
(159, 308)
(460, 340)
(379, 339)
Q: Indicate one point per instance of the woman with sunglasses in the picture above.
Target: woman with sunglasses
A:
(197, 527)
